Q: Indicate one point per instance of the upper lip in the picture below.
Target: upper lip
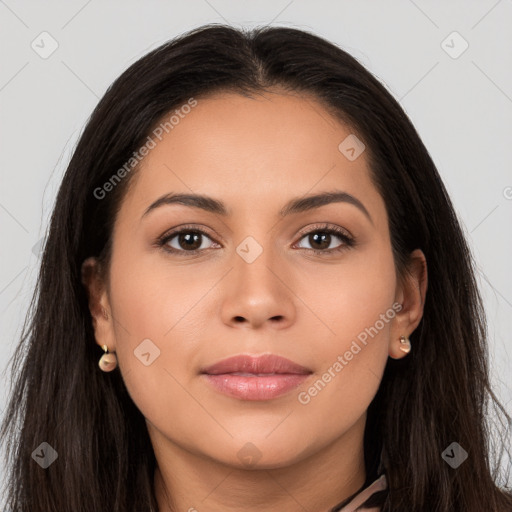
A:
(266, 363)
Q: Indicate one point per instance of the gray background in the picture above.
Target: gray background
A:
(460, 104)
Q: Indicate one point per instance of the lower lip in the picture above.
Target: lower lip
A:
(257, 387)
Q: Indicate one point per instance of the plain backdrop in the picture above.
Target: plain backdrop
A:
(448, 63)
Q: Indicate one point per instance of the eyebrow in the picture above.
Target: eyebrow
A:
(294, 206)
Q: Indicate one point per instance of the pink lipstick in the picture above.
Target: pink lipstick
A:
(255, 377)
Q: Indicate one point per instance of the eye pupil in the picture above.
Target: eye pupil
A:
(323, 237)
(188, 240)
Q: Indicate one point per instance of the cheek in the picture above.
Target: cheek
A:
(355, 305)
(351, 296)
(157, 331)
(155, 297)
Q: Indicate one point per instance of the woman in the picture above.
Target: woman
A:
(255, 295)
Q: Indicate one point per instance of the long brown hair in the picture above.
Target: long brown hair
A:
(439, 394)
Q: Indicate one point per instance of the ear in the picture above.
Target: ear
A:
(411, 293)
(99, 306)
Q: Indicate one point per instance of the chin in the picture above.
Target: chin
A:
(260, 455)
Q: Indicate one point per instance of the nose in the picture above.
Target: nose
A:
(258, 294)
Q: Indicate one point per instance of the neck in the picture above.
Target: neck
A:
(191, 483)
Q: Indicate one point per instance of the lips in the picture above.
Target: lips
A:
(264, 365)
(255, 377)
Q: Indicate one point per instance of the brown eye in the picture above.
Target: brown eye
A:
(321, 239)
(184, 241)
(189, 241)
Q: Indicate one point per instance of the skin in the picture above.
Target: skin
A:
(199, 309)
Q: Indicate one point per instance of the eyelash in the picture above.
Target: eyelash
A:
(347, 240)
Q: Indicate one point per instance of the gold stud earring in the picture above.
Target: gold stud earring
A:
(107, 362)
(405, 344)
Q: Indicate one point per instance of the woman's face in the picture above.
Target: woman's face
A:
(254, 285)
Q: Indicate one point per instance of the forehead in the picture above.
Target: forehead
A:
(253, 152)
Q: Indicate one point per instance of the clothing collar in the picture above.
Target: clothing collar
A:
(378, 485)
